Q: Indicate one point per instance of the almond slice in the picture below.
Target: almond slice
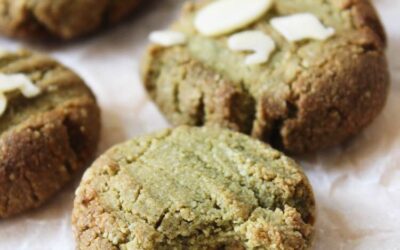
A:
(167, 38)
(226, 16)
(256, 41)
(16, 82)
(29, 89)
(301, 26)
(3, 104)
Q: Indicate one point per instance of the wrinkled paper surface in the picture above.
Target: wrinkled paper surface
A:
(357, 185)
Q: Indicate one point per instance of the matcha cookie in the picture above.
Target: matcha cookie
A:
(64, 19)
(302, 75)
(194, 188)
(49, 129)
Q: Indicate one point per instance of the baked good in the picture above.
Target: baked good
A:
(49, 129)
(312, 91)
(194, 188)
(62, 19)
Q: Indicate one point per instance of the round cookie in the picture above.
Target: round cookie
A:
(62, 19)
(46, 139)
(309, 95)
(194, 188)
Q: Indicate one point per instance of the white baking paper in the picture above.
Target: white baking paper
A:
(357, 185)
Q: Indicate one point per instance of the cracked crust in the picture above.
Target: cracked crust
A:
(310, 96)
(62, 19)
(194, 188)
(44, 141)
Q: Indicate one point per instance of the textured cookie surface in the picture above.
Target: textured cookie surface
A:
(194, 188)
(310, 95)
(63, 19)
(46, 139)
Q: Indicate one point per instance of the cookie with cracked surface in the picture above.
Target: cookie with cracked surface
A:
(62, 19)
(194, 188)
(45, 139)
(310, 95)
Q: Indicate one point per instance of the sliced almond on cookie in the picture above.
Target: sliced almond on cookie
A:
(167, 38)
(301, 26)
(3, 103)
(256, 41)
(226, 16)
(16, 82)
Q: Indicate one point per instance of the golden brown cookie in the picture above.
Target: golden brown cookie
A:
(194, 188)
(45, 139)
(64, 19)
(309, 95)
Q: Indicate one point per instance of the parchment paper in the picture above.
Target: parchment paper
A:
(357, 185)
